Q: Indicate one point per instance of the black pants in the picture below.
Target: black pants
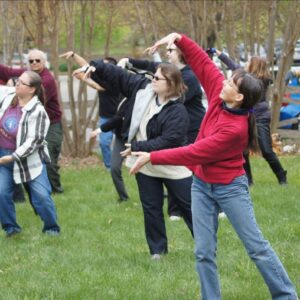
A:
(54, 139)
(265, 145)
(152, 198)
(116, 168)
(173, 209)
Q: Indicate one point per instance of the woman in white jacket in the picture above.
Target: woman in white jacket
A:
(23, 152)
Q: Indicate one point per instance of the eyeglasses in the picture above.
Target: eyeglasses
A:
(156, 78)
(232, 85)
(19, 81)
(170, 50)
(31, 61)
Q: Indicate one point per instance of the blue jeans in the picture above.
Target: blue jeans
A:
(105, 143)
(234, 199)
(40, 191)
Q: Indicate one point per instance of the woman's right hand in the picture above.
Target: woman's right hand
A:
(94, 133)
(143, 158)
(169, 40)
(127, 151)
(67, 55)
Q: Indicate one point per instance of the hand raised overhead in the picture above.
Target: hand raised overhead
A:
(169, 40)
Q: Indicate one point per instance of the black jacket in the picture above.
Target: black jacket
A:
(167, 129)
(193, 95)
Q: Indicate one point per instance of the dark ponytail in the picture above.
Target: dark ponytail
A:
(252, 132)
(252, 89)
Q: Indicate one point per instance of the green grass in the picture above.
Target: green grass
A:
(102, 252)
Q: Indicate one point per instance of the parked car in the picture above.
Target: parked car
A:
(291, 110)
(296, 57)
(259, 50)
(17, 60)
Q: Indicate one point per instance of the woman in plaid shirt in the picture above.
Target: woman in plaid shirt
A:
(23, 152)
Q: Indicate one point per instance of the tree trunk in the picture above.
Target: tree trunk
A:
(109, 27)
(70, 21)
(40, 23)
(141, 21)
(229, 28)
(271, 36)
(292, 32)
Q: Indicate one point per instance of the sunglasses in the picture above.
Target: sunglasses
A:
(31, 61)
(170, 50)
(156, 78)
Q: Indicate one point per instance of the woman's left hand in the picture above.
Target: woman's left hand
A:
(6, 159)
(169, 40)
(127, 151)
(143, 158)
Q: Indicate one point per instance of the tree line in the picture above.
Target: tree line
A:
(102, 28)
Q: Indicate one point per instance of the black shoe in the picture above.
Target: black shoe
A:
(282, 177)
(59, 190)
(12, 233)
(120, 200)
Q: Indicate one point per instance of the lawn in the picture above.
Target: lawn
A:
(102, 253)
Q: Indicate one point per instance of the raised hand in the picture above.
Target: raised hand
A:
(67, 55)
(143, 158)
(169, 40)
(122, 62)
(87, 73)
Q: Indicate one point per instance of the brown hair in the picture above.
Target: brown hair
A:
(35, 81)
(251, 88)
(173, 76)
(181, 56)
(259, 67)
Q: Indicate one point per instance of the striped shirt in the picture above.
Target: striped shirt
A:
(31, 151)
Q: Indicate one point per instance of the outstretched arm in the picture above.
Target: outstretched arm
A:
(77, 58)
(169, 40)
(207, 73)
(80, 73)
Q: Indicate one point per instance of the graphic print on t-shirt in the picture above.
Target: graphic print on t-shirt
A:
(9, 127)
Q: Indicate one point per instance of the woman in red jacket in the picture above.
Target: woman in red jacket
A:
(216, 158)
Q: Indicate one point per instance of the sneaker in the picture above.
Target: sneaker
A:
(222, 215)
(156, 256)
(12, 232)
(52, 232)
(120, 200)
(175, 218)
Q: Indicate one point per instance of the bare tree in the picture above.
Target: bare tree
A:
(292, 32)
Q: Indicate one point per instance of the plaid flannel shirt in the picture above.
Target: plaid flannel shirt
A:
(31, 151)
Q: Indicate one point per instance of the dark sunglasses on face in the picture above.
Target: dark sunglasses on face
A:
(156, 78)
(31, 61)
(170, 50)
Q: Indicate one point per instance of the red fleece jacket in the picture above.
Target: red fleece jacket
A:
(217, 154)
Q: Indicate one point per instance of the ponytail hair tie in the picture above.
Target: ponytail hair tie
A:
(251, 110)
